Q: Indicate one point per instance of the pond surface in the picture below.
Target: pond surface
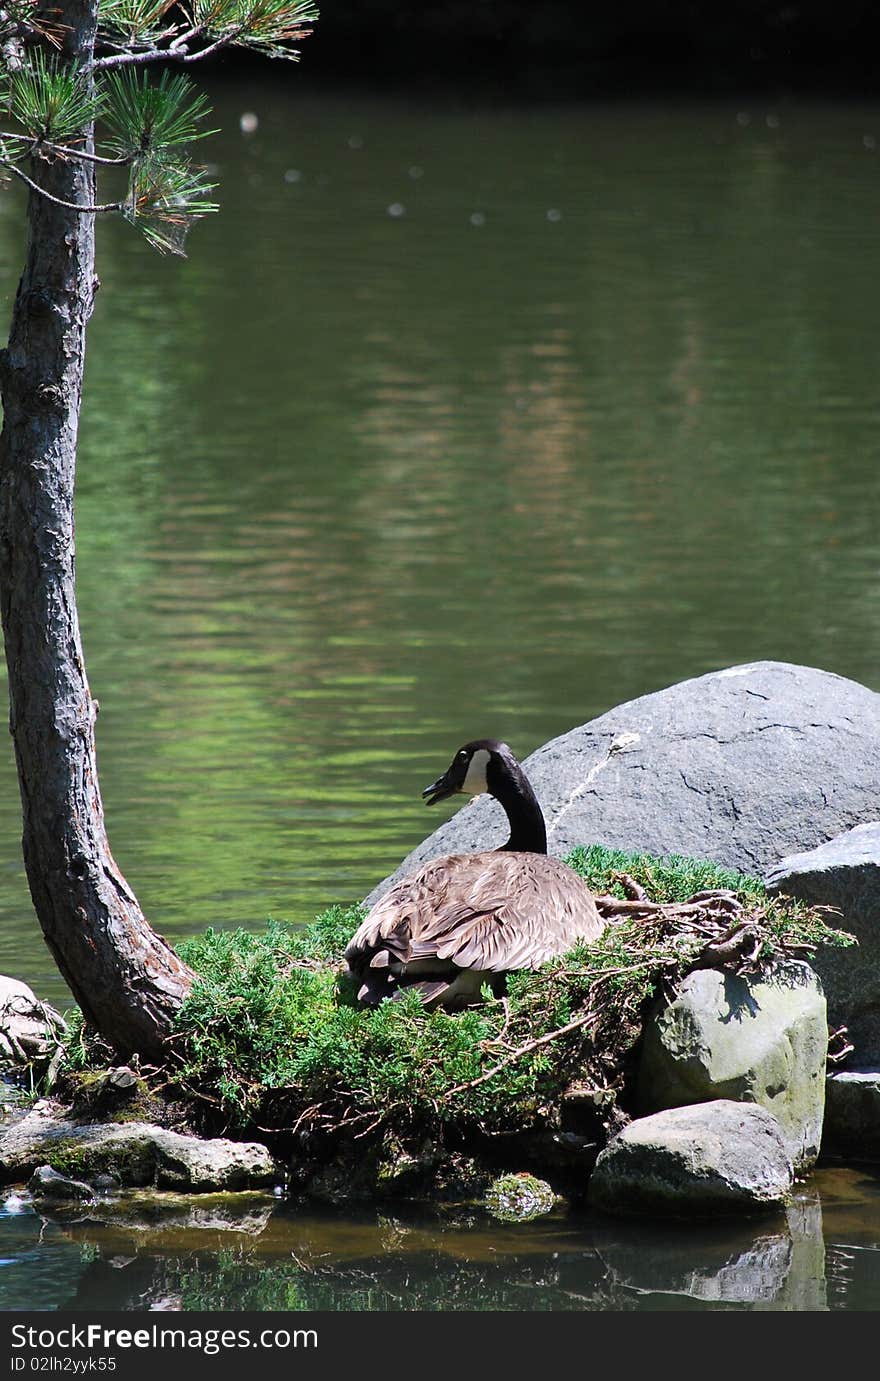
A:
(822, 1254)
(455, 422)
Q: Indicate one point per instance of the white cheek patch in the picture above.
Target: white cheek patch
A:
(475, 778)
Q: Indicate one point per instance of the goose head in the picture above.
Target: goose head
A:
(488, 765)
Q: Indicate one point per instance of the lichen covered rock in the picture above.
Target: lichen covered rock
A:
(136, 1153)
(758, 1039)
(519, 1197)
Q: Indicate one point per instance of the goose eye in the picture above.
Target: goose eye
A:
(462, 755)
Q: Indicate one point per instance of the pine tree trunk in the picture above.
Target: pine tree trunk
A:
(126, 978)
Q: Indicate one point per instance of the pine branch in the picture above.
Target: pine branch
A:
(129, 59)
(266, 26)
(136, 21)
(70, 205)
(583, 1020)
(20, 20)
(61, 150)
(165, 199)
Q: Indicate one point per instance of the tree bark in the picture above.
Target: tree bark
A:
(126, 978)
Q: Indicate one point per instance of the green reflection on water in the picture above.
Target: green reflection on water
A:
(822, 1254)
(355, 487)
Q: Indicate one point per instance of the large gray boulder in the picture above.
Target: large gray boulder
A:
(844, 873)
(132, 1153)
(740, 766)
(709, 1158)
(759, 1039)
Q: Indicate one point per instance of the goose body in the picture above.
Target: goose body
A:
(464, 920)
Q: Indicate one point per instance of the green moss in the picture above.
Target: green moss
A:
(67, 1158)
(519, 1197)
(131, 1162)
(271, 1032)
(94, 1096)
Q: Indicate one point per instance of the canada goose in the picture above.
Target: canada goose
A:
(467, 919)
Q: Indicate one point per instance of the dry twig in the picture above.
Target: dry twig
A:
(583, 1020)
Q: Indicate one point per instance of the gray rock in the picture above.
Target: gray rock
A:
(844, 872)
(136, 1153)
(852, 1113)
(29, 1029)
(709, 1158)
(196, 1166)
(739, 766)
(749, 1039)
(46, 1183)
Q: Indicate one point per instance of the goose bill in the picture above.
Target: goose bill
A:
(440, 790)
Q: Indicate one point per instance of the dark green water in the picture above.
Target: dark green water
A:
(823, 1254)
(456, 422)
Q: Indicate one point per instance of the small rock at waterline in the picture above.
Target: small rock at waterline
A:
(704, 1158)
(46, 1183)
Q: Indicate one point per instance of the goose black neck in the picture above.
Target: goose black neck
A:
(528, 833)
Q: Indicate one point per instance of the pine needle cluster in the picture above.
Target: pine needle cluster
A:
(110, 111)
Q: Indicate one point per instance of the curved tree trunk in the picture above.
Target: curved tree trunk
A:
(126, 978)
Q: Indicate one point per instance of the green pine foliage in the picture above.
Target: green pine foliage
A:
(50, 100)
(266, 26)
(146, 118)
(272, 1032)
(165, 198)
(113, 110)
(138, 24)
(148, 123)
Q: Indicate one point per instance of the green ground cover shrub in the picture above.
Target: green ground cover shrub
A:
(272, 1036)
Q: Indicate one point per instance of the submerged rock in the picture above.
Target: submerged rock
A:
(136, 1153)
(844, 873)
(760, 1039)
(709, 1158)
(739, 767)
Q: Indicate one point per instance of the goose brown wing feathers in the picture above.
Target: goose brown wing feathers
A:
(491, 911)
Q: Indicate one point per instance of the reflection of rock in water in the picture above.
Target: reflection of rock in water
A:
(301, 1260)
(775, 1270)
(713, 1271)
(757, 1275)
(715, 1268)
(118, 1283)
(155, 1219)
(804, 1287)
